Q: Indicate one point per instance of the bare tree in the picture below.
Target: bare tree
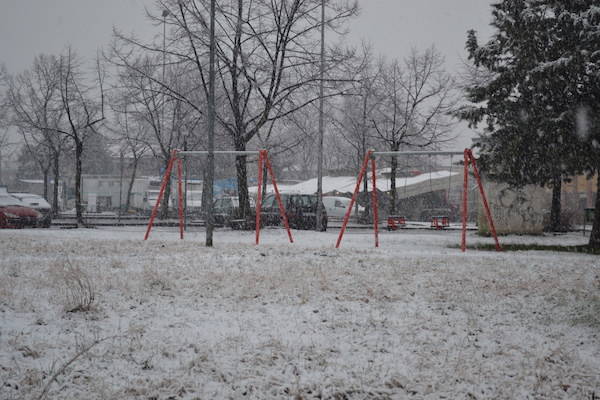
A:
(357, 109)
(265, 61)
(167, 119)
(83, 107)
(34, 99)
(131, 135)
(415, 107)
(4, 136)
(40, 154)
(6, 148)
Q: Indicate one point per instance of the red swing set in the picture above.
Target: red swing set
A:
(263, 162)
(469, 160)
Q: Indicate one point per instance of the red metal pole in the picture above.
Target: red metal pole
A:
(485, 202)
(463, 243)
(278, 197)
(180, 195)
(375, 201)
(160, 194)
(354, 195)
(261, 155)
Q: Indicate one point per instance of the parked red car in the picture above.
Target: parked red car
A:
(14, 214)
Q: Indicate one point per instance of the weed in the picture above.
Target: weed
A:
(77, 287)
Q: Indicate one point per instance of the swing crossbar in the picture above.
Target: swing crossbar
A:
(417, 153)
(202, 152)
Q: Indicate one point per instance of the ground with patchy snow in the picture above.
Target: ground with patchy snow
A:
(413, 319)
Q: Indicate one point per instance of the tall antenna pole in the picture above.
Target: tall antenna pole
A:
(319, 224)
(211, 130)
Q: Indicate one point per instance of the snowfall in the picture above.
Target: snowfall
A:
(415, 318)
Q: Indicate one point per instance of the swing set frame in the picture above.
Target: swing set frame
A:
(469, 160)
(177, 156)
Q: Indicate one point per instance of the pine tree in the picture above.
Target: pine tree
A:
(575, 63)
(529, 139)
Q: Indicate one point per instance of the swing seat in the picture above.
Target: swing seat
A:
(439, 222)
(394, 222)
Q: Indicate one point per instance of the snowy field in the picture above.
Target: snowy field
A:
(413, 319)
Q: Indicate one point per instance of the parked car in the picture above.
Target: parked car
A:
(301, 211)
(15, 214)
(337, 206)
(38, 203)
(227, 208)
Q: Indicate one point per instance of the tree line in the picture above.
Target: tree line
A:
(150, 97)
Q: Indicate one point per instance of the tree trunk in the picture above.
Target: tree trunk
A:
(393, 184)
(131, 183)
(594, 242)
(555, 225)
(78, 170)
(204, 201)
(242, 180)
(265, 176)
(367, 211)
(364, 150)
(56, 178)
(164, 204)
(46, 173)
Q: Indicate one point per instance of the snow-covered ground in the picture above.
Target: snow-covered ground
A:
(412, 319)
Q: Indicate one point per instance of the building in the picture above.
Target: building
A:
(578, 194)
(106, 192)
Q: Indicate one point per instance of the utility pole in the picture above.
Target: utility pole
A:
(162, 123)
(185, 184)
(211, 130)
(319, 224)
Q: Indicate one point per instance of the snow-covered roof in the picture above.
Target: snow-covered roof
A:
(36, 181)
(346, 184)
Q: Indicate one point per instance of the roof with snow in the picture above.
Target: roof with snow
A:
(346, 184)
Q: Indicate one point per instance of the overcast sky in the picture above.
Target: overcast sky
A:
(30, 27)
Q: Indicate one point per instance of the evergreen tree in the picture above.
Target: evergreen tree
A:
(529, 139)
(575, 64)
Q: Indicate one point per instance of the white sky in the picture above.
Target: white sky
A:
(30, 27)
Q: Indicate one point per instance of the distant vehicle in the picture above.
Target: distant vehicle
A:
(227, 208)
(15, 214)
(39, 204)
(337, 206)
(301, 211)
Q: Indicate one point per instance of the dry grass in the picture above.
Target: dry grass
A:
(77, 288)
(296, 321)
